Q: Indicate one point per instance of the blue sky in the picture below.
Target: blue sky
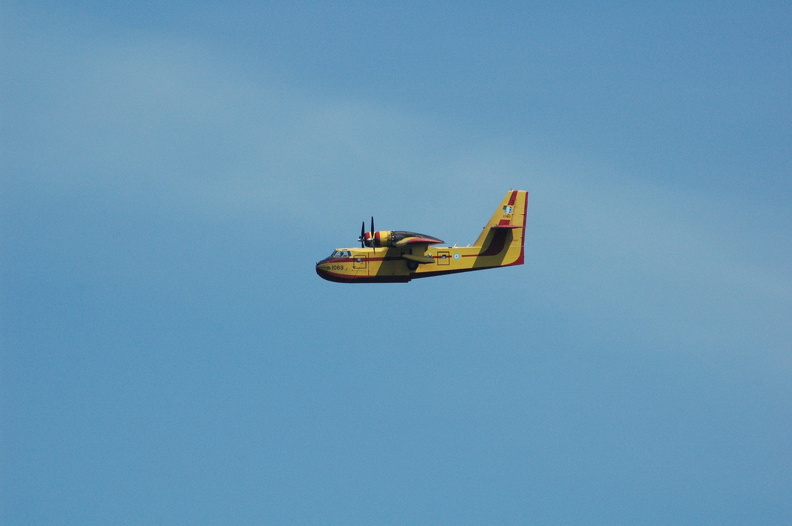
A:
(171, 173)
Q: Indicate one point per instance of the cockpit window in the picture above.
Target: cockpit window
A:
(342, 254)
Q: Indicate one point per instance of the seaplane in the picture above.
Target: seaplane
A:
(397, 256)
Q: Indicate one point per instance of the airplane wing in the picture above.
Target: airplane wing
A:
(417, 243)
(402, 239)
(419, 258)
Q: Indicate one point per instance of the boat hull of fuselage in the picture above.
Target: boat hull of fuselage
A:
(366, 267)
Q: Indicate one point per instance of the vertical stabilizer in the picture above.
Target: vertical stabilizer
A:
(504, 234)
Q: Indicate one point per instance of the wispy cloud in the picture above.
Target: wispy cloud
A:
(167, 116)
(164, 118)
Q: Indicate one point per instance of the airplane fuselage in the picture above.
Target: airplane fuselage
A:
(368, 265)
(501, 244)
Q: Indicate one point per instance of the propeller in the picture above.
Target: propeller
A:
(373, 244)
(363, 239)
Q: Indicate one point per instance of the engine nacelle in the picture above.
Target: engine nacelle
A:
(397, 238)
(383, 238)
(380, 238)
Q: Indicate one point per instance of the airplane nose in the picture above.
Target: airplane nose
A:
(321, 270)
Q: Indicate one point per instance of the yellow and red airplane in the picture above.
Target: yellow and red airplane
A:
(397, 256)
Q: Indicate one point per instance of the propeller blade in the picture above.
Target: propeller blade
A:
(373, 244)
(362, 237)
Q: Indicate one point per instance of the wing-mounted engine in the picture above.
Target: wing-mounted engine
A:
(393, 238)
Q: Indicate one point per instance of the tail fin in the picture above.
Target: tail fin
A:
(504, 234)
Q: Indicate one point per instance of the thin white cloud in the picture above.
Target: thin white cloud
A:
(158, 115)
(169, 118)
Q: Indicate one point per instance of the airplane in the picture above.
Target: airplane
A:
(397, 256)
